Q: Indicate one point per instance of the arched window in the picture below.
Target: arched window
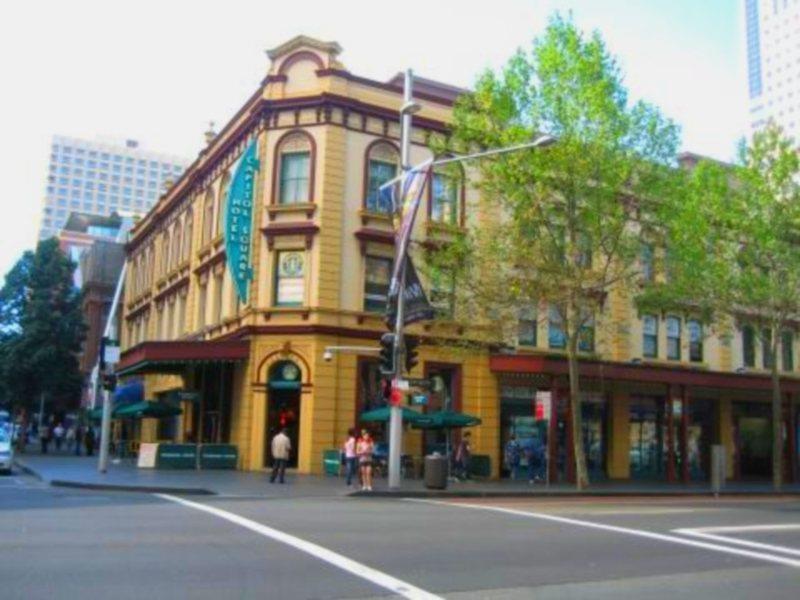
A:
(222, 201)
(295, 157)
(382, 165)
(445, 197)
(175, 254)
(164, 253)
(208, 217)
(187, 236)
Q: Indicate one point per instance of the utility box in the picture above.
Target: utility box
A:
(436, 472)
(718, 470)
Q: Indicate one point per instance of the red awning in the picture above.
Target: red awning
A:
(165, 357)
(643, 373)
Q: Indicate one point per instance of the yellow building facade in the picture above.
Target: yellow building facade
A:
(658, 394)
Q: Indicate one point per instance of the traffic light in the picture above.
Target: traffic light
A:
(412, 355)
(109, 382)
(387, 354)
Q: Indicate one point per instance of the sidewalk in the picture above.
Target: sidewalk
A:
(70, 471)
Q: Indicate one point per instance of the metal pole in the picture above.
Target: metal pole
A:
(396, 414)
(105, 426)
(41, 411)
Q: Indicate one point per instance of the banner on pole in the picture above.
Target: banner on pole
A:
(408, 203)
(416, 308)
(239, 220)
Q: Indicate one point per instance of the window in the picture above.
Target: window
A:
(201, 305)
(526, 328)
(787, 350)
(290, 278)
(208, 217)
(223, 199)
(444, 199)
(382, 166)
(673, 338)
(649, 336)
(377, 273)
(748, 346)
(695, 329)
(217, 317)
(646, 261)
(175, 254)
(443, 292)
(586, 336)
(187, 236)
(555, 329)
(766, 348)
(294, 177)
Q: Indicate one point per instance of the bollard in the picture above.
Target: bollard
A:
(717, 468)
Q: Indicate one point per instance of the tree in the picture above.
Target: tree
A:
(733, 244)
(556, 228)
(43, 329)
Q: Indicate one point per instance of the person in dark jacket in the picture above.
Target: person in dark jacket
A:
(89, 440)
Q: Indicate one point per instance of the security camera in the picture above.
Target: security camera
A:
(327, 356)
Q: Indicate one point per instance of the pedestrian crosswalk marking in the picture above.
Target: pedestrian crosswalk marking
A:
(379, 578)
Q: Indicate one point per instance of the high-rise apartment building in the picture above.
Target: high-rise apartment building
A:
(773, 63)
(102, 177)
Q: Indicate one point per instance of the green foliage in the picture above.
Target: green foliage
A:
(733, 242)
(556, 227)
(42, 328)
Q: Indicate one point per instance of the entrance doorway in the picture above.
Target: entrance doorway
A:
(753, 440)
(283, 408)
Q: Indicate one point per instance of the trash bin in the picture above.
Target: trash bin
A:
(436, 472)
(331, 461)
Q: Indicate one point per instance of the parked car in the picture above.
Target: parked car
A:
(6, 450)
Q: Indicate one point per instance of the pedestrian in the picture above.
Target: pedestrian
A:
(281, 448)
(58, 436)
(70, 437)
(534, 454)
(89, 439)
(365, 448)
(44, 437)
(349, 454)
(463, 454)
(78, 438)
(513, 454)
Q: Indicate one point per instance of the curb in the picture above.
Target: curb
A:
(146, 489)
(112, 487)
(566, 494)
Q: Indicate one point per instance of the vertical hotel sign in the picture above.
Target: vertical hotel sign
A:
(239, 220)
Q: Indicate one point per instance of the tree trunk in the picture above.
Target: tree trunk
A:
(777, 416)
(581, 479)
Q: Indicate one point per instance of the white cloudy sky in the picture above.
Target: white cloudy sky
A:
(158, 71)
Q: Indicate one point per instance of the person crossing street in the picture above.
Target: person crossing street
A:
(281, 449)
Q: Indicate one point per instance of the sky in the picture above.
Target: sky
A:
(159, 71)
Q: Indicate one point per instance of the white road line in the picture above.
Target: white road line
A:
(703, 532)
(747, 528)
(358, 569)
(626, 530)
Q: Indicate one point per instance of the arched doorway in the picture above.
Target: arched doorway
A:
(283, 407)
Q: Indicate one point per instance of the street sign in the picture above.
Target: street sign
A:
(419, 382)
(111, 354)
(543, 406)
(419, 400)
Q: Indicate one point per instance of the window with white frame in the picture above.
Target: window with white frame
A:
(290, 278)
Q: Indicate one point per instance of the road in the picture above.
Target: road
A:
(59, 543)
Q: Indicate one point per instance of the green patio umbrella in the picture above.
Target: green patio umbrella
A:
(145, 410)
(445, 419)
(383, 414)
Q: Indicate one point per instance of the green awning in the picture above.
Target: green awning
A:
(147, 410)
(446, 419)
(384, 413)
